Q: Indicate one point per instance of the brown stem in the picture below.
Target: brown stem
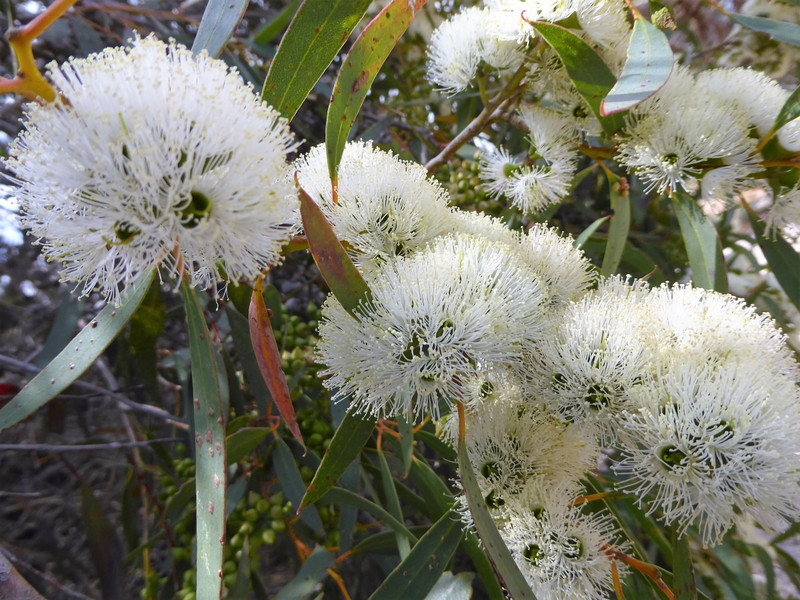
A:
(494, 107)
(644, 568)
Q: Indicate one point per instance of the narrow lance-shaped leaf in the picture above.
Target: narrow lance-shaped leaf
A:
(292, 484)
(789, 111)
(220, 19)
(702, 244)
(788, 33)
(619, 226)
(420, 570)
(646, 69)
(350, 437)
(314, 570)
(358, 71)
(495, 547)
(591, 76)
(393, 502)
(77, 356)
(315, 36)
(783, 259)
(210, 479)
(683, 582)
(338, 271)
(269, 360)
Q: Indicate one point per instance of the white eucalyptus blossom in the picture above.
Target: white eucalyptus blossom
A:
(563, 551)
(756, 95)
(710, 443)
(703, 326)
(519, 14)
(154, 156)
(562, 268)
(668, 149)
(599, 350)
(465, 42)
(785, 210)
(457, 311)
(511, 442)
(385, 206)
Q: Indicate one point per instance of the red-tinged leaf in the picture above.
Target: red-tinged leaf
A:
(339, 272)
(269, 360)
(365, 59)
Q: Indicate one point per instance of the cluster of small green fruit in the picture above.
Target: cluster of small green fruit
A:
(460, 178)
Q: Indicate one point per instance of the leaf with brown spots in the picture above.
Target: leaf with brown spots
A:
(358, 71)
(314, 37)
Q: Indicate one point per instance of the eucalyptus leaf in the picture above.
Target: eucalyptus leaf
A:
(218, 24)
(647, 68)
(77, 356)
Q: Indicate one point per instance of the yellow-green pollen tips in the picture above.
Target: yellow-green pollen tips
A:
(198, 208)
(671, 457)
(533, 553)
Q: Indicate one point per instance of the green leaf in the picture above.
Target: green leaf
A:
(439, 500)
(763, 557)
(494, 545)
(146, 326)
(783, 259)
(589, 232)
(269, 361)
(211, 474)
(358, 71)
(702, 244)
(452, 587)
(243, 441)
(619, 227)
(315, 36)
(591, 76)
(345, 445)
(789, 111)
(337, 495)
(393, 502)
(788, 33)
(219, 21)
(406, 430)
(77, 356)
(314, 570)
(64, 326)
(646, 69)
(335, 266)
(418, 573)
(683, 583)
(105, 548)
(292, 484)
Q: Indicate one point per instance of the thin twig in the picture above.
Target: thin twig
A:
(494, 107)
(466, 134)
(97, 390)
(26, 568)
(86, 447)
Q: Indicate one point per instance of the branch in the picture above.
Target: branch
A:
(493, 108)
(96, 390)
(86, 447)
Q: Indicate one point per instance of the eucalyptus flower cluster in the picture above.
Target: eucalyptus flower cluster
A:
(149, 156)
(700, 132)
(695, 392)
